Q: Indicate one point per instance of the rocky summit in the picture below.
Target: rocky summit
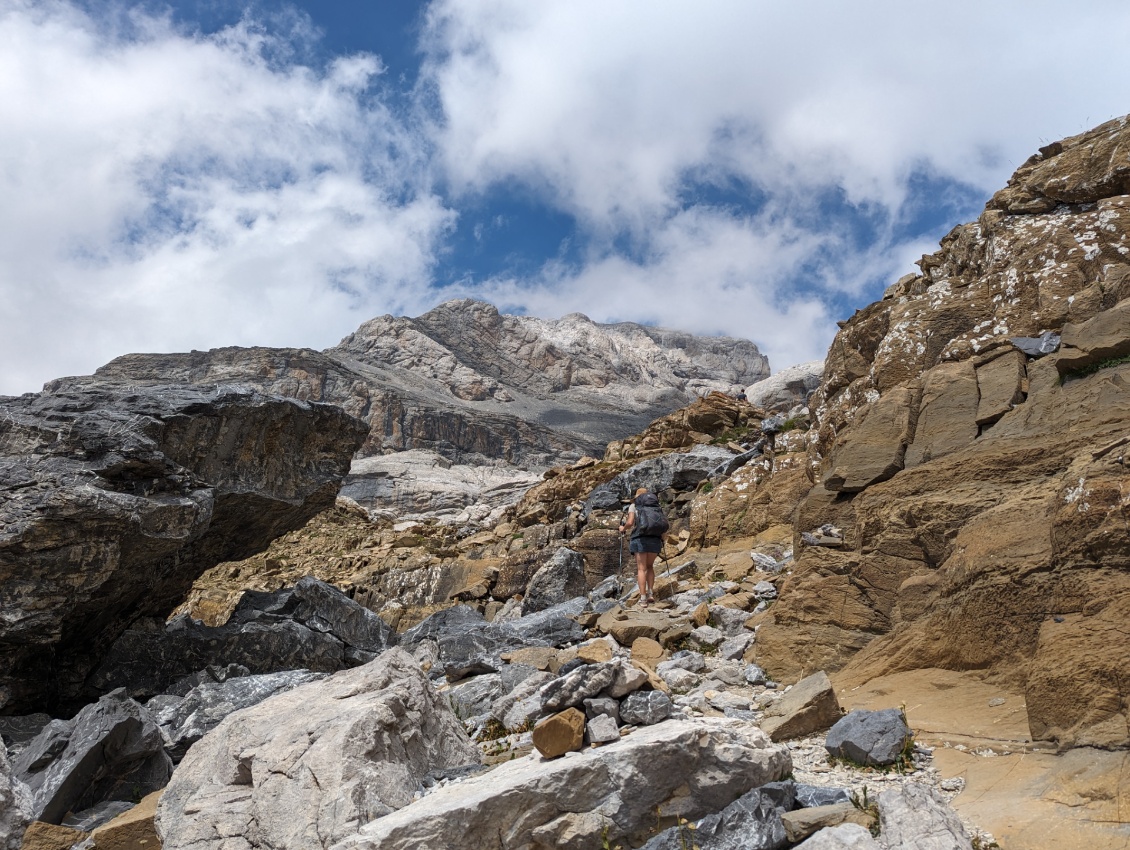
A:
(480, 397)
(889, 611)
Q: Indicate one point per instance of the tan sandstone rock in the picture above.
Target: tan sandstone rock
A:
(808, 707)
(132, 830)
(560, 733)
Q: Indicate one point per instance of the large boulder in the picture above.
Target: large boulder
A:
(310, 766)
(916, 817)
(111, 750)
(809, 706)
(311, 626)
(119, 498)
(871, 738)
(561, 578)
(684, 768)
(787, 388)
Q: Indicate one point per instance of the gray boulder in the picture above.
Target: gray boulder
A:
(605, 793)
(787, 388)
(730, 621)
(560, 579)
(474, 697)
(119, 498)
(734, 648)
(754, 675)
(686, 659)
(523, 705)
(676, 470)
(111, 750)
(601, 729)
(870, 738)
(310, 626)
(645, 708)
(185, 720)
(15, 806)
(916, 817)
(574, 688)
(308, 767)
(597, 706)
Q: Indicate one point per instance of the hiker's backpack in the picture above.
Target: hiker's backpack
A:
(650, 521)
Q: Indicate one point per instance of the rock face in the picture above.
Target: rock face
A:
(15, 806)
(117, 499)
(611, 792)
(308, 767)
(981, 491)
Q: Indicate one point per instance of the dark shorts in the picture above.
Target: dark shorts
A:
(646, 544)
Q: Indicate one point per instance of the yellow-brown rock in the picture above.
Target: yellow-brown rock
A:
(560, 733)
(132, 830)
(1000, 541)
(49, 836)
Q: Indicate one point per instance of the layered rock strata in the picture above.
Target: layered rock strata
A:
(117, 499)
(981, 489)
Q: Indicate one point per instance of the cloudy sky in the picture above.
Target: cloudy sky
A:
(203, 173)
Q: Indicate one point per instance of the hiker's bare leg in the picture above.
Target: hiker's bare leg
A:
(649, 572)
(641, 574)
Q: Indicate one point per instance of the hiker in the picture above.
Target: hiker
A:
(648, 525)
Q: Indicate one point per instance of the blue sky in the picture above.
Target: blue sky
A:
(206, 172)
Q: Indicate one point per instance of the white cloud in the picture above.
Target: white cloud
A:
(164, 191)
(607, 110)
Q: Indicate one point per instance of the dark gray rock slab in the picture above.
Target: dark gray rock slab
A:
(1037, 346)
(751, 822)
(645, 708)
(456, 618)
(677, 471)
(575, 687)
(111, 750)
(116, 500)
(311, 626)
(810, 796)
(185, 720)
(871, 738)
(560, 579)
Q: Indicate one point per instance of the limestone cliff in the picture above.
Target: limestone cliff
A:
(981, 489)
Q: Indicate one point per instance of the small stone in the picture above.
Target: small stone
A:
(706, 636)
(602, 729)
